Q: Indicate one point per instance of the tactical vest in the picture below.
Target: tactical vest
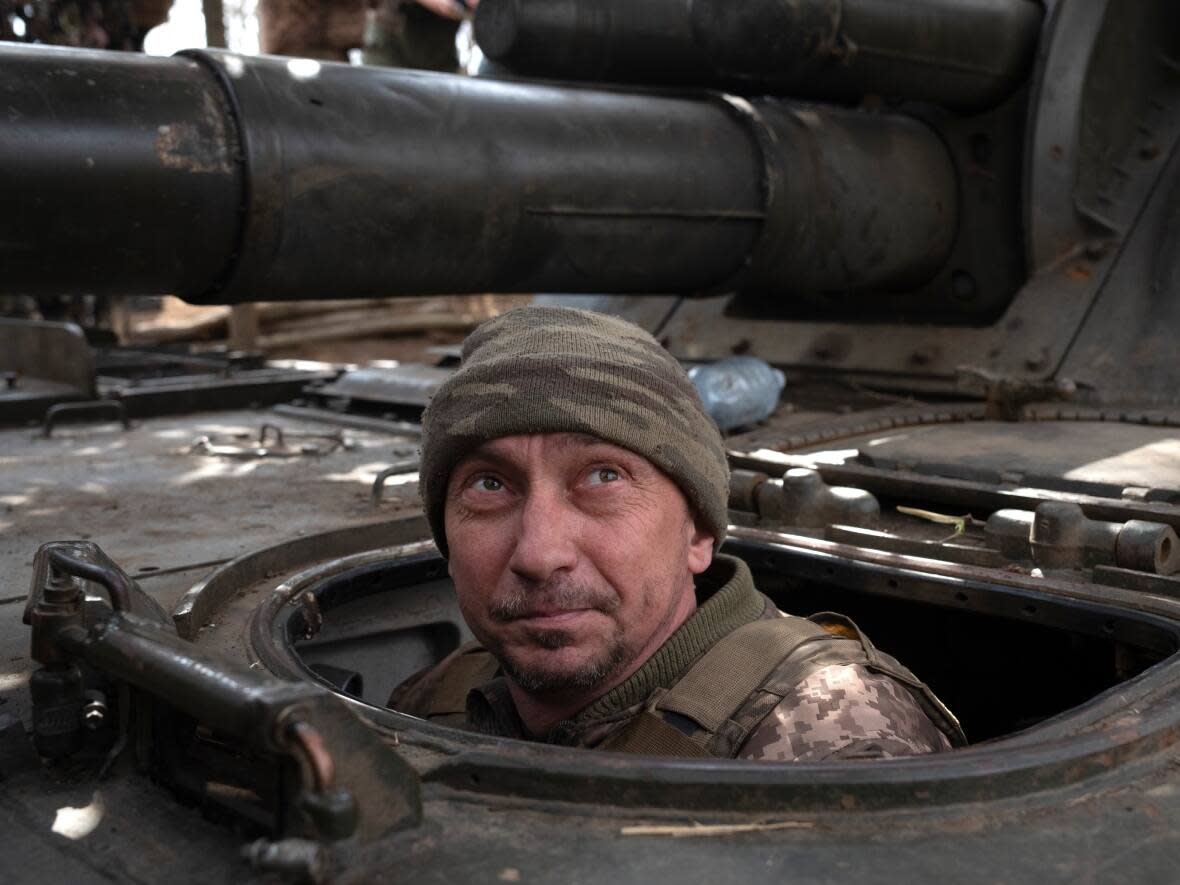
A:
(723, 697)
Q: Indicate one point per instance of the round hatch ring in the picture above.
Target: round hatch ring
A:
(1129, 722)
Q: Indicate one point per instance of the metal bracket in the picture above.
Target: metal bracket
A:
(279, 448)
(410, 465)
(95, 409)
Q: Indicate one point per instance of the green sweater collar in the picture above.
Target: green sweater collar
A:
(729, 601)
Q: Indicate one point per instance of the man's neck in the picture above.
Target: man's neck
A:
(541, 711)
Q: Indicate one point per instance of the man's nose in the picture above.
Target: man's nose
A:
(547, 537)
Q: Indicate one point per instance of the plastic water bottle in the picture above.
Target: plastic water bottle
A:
(738, 390)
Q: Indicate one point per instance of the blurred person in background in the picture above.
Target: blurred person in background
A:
(415, 33)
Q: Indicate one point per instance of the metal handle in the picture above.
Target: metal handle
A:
(410, 465)
(117, 584)
(53, 413)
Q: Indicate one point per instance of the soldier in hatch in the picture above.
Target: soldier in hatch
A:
(579, 491)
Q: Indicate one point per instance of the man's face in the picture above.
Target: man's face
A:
(573, 558)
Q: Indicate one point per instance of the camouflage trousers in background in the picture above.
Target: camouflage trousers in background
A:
(404, 35)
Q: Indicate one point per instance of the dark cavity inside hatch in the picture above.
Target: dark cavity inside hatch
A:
(1003, 659)
(382, 623)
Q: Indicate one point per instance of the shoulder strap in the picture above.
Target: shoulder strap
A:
(649, 735)
(728, 673)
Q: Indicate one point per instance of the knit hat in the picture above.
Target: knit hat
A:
(543, 369)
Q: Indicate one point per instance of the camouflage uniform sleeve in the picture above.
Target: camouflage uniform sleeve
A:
(844, 711)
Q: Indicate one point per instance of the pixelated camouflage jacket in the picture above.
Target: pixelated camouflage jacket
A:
(835, 698)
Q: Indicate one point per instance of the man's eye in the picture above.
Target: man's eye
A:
(601, 475)
(486, 484)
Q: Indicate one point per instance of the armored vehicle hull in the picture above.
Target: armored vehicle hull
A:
(969, 284)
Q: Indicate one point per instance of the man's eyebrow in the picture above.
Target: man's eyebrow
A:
(484, 452)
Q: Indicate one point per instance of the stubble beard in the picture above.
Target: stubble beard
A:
(542, 680)
(539, 678)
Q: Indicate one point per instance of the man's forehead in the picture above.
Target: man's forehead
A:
(506, 446)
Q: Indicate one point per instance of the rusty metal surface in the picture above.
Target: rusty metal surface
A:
(47, 366)
(1031, 554)
(961, 553)
(813, 429)
(816, 49)
(1055, 226)
(819, 552)
(263, 713)
(802, 498)
(1056, 586)
(1019, 343)
(1134, 353)
(204, 599)
(136, 833)
(1089, 756)
(961, 494)
(1091, 253)
(1078, 455)
(1110, 482)
(165, 515)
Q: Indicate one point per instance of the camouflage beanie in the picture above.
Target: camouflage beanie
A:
(548, 369)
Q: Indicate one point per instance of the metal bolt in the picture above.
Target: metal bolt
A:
(1038, 362)
(742, 486)
(296, 860)
(963, 285)
(94, 712)
(61, 589)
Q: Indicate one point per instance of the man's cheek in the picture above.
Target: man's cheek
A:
(474, 612)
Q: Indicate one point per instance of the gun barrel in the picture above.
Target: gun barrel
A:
(121, 173)
(222, 179)
(961, 53)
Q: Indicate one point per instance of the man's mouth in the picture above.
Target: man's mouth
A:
(552, 606)
(552, 616)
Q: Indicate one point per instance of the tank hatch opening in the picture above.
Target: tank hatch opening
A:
(1003, 658)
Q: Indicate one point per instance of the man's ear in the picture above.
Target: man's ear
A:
(700, 548)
